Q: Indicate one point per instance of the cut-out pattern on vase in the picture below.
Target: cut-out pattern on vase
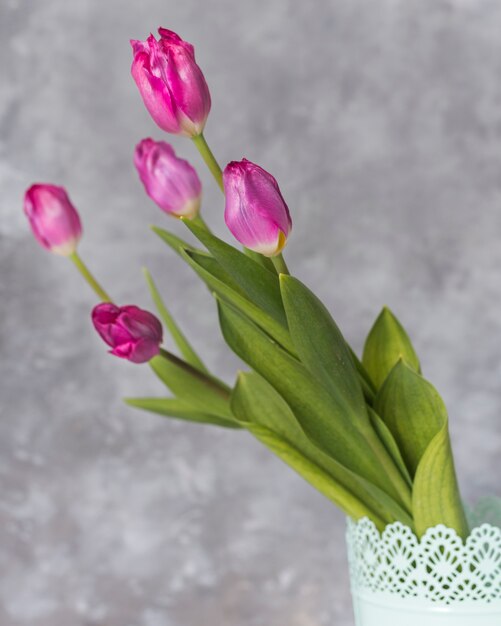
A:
(440, 567)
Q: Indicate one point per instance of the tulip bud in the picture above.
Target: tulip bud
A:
(171, 84)
(53, 219)
(133, 334)
(171, 182)
(255, 211)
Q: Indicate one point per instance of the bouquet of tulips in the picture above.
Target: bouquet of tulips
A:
(370, 434)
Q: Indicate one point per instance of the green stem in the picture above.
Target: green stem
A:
(218, 386)
(209, 159)
(199, 221)
(85, 272)
(280, 264)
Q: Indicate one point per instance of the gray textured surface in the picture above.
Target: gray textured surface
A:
(382, 122)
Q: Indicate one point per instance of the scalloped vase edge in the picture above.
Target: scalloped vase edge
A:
(398, 579)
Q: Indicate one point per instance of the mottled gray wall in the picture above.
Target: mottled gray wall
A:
(382, 121)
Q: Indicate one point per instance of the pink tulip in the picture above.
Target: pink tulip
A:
(255, 210)
(171, 84)
(171, 182)
(53, 219)
(133, 334)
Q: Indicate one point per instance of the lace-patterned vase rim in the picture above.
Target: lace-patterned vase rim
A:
(438, 568)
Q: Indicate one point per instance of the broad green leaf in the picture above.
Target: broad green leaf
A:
(182, 343)
(386, 344)
(324, 352)
(202, 391)
(322, 418)
(321, 346)
(417, 418)
(435, 497)
(254, 401)
(275, 329)
(260, 285)
(413, 411)
(179, 409)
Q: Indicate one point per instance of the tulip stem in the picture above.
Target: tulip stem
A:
(199, 221)
(280, 264)
(86, 273)
(209, 158)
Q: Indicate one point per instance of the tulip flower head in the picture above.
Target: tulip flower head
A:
(171, 182)
(53, 219)
(255, 211)
(171, 84)
(132, 333)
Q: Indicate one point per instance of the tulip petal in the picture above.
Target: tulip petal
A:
(131, 332)
(155, 95)
(255, 211)
(172, 183)
(171, 83)
(188, 87)
(53, 218)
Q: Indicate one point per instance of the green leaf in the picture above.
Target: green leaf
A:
(435, 497)
(323, 350)
(413, 411)
(202, 391)
(212, 267)
(417, 418)
(173, 241)
(384, 434)
(322, 418)
(365, 381)
(386, 344)
(321, 347)
(179, 409)
(260, 285)
(182, 343)
(216, 283)
(255, 402)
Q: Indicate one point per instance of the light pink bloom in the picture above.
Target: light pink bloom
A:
(53, 219)
(133, 333)
(171, 84)
(255, 210)
(171, 182)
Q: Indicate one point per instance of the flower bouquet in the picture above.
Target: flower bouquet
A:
(370, 434)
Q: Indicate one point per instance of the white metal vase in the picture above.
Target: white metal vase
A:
(440, 580)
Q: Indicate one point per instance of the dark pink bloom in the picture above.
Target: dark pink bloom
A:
(171, 182)
(133, 334)
(255, 210)
(171, 84)
(53, 219)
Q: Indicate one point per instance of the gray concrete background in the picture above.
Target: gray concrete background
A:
(382, 122)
